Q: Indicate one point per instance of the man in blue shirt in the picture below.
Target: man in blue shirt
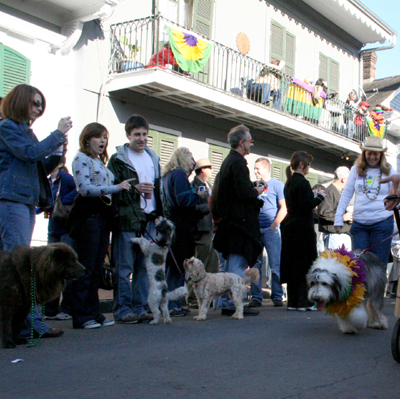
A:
(271, 215)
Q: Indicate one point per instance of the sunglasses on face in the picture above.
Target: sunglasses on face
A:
(37, 103)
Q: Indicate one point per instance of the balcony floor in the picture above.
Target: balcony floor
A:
(185, 92)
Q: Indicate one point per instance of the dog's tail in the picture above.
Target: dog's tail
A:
(178, 293)
(251, 275)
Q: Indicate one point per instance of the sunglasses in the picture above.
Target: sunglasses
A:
(37, 103)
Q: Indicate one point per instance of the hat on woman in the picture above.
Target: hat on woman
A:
(202, 163)
(378, 110)
(372, 143)
(364, 104)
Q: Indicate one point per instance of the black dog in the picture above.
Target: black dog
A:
(51, 264)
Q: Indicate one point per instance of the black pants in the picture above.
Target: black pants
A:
(297, 295)
(92, 242)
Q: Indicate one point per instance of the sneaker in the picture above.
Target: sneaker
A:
(129, 319)
(178, 313)
(278, 303)
(290, 308)
(60, 316)
(312, 308)
(91, 324)
(302, 309)
(254, 304)
(107, 323)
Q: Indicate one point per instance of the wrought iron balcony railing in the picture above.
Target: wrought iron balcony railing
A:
(140, 44)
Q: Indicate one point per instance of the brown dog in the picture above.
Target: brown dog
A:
(209, 286)
(51, 264)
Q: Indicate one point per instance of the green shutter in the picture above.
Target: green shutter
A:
(277, 34)
(163, 145)
(14, 69)
(283, 47)
(203, 15)
(290, 51)
(278, 170)
(202, 24)
(216, 155)
(329, 71)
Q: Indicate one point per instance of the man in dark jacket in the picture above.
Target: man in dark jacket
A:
(238, 233)
(327, 211)
(136, 209)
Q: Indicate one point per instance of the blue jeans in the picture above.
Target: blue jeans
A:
(271, 240)
(277, 97)
(234, 264)
(367, 235)
(130, 296)
(16, 227)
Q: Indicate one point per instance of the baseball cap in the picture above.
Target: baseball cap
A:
(342, 172)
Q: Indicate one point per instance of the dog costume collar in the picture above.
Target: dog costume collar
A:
(355, 291)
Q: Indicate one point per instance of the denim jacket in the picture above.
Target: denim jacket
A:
(23, 163)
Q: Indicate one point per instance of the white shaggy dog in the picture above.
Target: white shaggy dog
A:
(208, 286)
(155, 255)
(353, 295)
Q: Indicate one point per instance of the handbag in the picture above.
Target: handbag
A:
(108, 276)
(60, 211)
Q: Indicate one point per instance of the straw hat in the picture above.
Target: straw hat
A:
(202, 163)
(372, 143)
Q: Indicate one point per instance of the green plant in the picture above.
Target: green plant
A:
(133, 48)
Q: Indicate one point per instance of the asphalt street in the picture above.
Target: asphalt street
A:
(278, 354)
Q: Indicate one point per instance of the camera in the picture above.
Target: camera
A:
(260, 185)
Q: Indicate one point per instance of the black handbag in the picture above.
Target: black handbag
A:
(60, 211)
(108, 276)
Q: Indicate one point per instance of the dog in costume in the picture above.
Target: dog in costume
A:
(350, 287)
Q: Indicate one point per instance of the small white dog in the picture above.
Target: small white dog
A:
(208, 286)
(351, 289)
(155, 255)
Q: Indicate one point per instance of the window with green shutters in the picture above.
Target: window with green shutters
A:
(329, 71)
(163, 144)
(14, 69)
(216, 155)
(283, 47)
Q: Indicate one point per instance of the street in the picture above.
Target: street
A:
(278, 354)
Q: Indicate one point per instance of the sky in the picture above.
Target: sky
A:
(388, 60)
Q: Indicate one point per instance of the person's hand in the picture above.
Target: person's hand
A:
(125, 185)
(347, 217)
(146, 188)
(321, 192)
(64, 125)
(395, 190)
(338, 229)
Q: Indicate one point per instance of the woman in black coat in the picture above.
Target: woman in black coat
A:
(298, 236)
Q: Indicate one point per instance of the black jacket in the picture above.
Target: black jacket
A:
(239, 207)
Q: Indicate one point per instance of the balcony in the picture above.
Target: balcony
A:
(226, 88)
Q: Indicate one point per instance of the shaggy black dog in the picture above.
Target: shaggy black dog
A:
(51, 265)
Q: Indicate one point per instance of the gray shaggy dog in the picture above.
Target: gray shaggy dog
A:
(329, 281)
(51, 265)
(155, 254)
(209, 286)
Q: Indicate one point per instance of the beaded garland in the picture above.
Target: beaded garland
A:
(355, 291)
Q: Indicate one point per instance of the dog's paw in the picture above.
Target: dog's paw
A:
(237, 316)
(167, 320)
(199, 318)
(378, 325)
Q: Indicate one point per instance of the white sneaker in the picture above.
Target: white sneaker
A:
(289, 308)
(107, 323)
(91, 324)
(302, 309)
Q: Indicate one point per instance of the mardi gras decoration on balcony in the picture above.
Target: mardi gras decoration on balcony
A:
(191, 52)
(376, 123)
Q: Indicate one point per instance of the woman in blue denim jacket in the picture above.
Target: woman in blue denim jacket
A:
(24, 166)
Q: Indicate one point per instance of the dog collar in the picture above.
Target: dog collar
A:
(195, 282)
(356, 289)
